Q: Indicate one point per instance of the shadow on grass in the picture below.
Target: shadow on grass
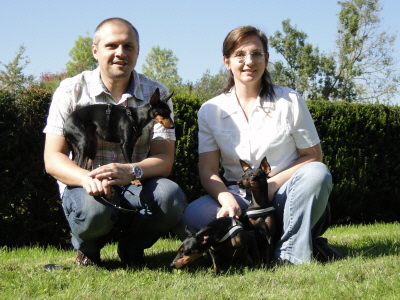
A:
(162, 262)
(366, 248)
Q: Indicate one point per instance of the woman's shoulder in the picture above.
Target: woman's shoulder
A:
(282, 92)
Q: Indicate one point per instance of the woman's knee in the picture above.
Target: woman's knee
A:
(316, 174)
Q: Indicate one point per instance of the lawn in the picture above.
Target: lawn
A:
(370, 271)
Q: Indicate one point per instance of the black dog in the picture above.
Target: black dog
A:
(260, 213)
(112, 123)
(227, 241)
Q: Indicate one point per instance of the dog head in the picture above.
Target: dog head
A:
(159, 110)
(192, 248)
(252, 178)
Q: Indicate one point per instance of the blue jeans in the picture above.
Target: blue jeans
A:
(160, 202)
(299, 204)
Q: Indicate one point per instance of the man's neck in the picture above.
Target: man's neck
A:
(116, 87)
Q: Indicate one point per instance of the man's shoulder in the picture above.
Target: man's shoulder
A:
(147, 82)
(145, 87)
(86, 78)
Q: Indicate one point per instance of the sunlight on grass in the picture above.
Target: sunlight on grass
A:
(370, 271)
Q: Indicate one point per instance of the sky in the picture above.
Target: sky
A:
(193, 30)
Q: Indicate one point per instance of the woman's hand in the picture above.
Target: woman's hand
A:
(229, 207)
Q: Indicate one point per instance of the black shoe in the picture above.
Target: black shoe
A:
(92, 259)
(131, 257)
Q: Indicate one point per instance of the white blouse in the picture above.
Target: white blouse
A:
(276, 131)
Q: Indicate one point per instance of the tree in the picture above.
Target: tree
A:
(366, 63)
(209, 86)
(12, 78)
(305, 69)
(161, 65)
(81, 57)
(50, 81)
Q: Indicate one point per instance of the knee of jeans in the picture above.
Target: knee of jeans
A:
(166, 195)
(317, 173)
(93, 219)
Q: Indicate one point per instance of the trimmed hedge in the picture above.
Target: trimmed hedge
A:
(30, 212)
(360, 145)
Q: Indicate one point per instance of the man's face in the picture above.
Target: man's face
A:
(117, 51)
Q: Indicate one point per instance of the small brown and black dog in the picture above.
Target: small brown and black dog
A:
(112, 123)
(227, 242)
(260, 215)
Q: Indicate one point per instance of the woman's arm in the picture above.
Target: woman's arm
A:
(212, 183)
(306, 155)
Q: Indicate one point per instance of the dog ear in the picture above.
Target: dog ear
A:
(203, 236)
(189, 234)
(155, 97)
(264, 166)
(245, 166)
(166, 98)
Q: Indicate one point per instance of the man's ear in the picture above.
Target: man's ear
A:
(94, 51)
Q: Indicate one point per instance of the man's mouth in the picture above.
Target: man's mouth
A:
(120, 62)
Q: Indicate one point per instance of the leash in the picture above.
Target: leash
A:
(108, 114)
(120, 190)
(233, 229)
(129, 114)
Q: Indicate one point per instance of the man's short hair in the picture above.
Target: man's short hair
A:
(96, 36)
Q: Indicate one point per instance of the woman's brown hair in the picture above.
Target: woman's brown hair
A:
(235, 37)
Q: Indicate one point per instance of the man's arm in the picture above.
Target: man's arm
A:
(58, 165)
(159, 163)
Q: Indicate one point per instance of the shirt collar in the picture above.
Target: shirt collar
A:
(231, 105)
(97, 86)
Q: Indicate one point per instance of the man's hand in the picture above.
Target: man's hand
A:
(113, 174)
(96, 187)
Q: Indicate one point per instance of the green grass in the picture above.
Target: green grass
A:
(370, 271)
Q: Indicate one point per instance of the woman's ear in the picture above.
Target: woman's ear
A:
(226, 63)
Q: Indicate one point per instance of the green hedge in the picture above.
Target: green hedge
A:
(30, 212)
(360, 145)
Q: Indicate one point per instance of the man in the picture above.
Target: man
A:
(161, 201)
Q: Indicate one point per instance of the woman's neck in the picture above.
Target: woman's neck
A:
(247, 92)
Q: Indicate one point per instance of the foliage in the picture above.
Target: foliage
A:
(30, 211)
(370, 272)
(359, 141)
(209, 86)
(12, 78)
(185, 171)
(161, 65)
(360, 145)
(366, 63)
(307, 70)
(364, 69)
(82, 58)
(50, 81)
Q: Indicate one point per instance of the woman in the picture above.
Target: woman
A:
(250, 120)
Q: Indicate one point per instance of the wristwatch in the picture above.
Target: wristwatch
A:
(137, 171)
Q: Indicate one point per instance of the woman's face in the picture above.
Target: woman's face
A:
(247, 62)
